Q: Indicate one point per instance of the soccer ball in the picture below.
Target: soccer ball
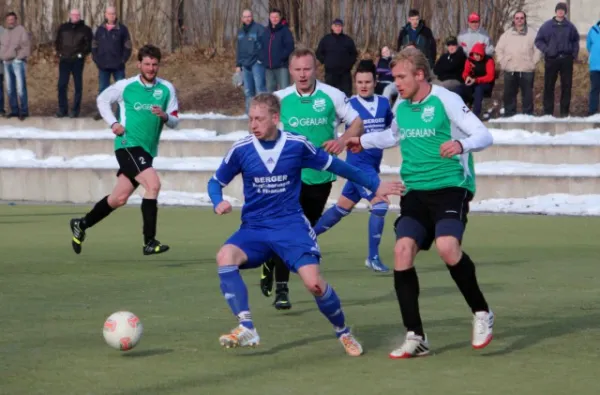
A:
(123, 330)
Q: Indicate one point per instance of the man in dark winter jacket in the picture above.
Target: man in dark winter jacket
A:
(558, 40)
(73, 44)
(277, 46)
(111, 49)
(338, 53)
(420, 35)
(450, 66)
(247, 58)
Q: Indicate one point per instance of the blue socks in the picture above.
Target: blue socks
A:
(332, 216)
(329, 304)
(376, 222)
(236, 294)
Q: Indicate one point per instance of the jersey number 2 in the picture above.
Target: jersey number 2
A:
(142, 160)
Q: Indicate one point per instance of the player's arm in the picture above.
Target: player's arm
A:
(318, 159)
(172, 119)
(104, 101)
(346, 114)
(229, 168)
(478, 137)
(385, 139)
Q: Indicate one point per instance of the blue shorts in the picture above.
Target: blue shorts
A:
(355, 192)
(294, 242)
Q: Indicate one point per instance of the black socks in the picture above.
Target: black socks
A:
(100, 211)
(463, 274)
(149, 215)
(406, 284)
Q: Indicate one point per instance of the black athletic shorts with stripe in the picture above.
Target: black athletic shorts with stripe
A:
(427, 215)
(132, 161)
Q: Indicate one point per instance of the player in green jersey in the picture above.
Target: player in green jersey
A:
(314, 110)
(437, 134)
(146, 104)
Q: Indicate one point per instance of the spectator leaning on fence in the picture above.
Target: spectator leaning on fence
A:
(2, 112)
(337, 52)
(558, 39)
(475, 34)
(111, 49)
(517, 55)
(593, 47)
(249, 47)
(416, 32)
(450, 66)
(15, 47)
(277, 46)
(73, 45)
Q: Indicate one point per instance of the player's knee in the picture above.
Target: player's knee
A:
(405, 251)
(449, 249)
(153, 187)
(116, 201)
(228, 255)
(379, 209)
(316, 286)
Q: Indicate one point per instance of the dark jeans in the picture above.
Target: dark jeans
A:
(594, 91)
(563, 66)
(475, 94)
(66, 67)
(342, 81)
(104, 77)
(513, 82)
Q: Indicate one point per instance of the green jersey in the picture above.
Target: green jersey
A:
(315, 116)
(421, 128)
(136, 99)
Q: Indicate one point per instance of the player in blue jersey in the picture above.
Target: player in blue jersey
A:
(270, 162)
(377, 115)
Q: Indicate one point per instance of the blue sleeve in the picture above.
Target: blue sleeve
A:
(314, 158)
(389, 117)
(354, 174)
(230, 167)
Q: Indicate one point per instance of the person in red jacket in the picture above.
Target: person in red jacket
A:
(479, 76)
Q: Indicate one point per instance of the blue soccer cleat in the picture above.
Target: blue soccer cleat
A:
(376, 265)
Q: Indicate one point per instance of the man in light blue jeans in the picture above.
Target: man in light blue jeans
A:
(247, 57)
(14, 51)
(2, 112)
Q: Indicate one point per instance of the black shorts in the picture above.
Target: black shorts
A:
(313, 199)
(427, 215)
(133, 161)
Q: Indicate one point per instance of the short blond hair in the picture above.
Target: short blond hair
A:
(267, 99)
(301, 52)
(416, 58)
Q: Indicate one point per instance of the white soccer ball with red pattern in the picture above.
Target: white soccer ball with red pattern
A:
(123, 330)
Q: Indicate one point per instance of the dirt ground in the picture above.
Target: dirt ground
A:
(203, 84)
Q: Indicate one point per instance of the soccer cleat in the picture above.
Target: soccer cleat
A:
(351, 345)
(240, 337)
(154, 247)
(78, 235)
(282, 298)
(413, 346)
(266, 280)
(483, 322)
(376, 265)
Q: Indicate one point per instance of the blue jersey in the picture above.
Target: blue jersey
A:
(376, 115)
(271, 174)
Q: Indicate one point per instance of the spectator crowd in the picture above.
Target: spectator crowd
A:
(467, 65)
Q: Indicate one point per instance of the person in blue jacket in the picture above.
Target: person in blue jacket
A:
(593, 48)
(247, 57)
(277, 46)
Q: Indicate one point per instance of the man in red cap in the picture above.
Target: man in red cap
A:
(475, 34)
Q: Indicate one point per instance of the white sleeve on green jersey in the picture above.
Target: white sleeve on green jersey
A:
(385, 139)
(112, 94)
(343, 109)
(172, 106)
(472, 134)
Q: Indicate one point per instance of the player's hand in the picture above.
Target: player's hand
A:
(156, 110)
(223, 208)
(387, 188)
(451, 148)
(333, 147)
(118, 129)
(354, 145)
